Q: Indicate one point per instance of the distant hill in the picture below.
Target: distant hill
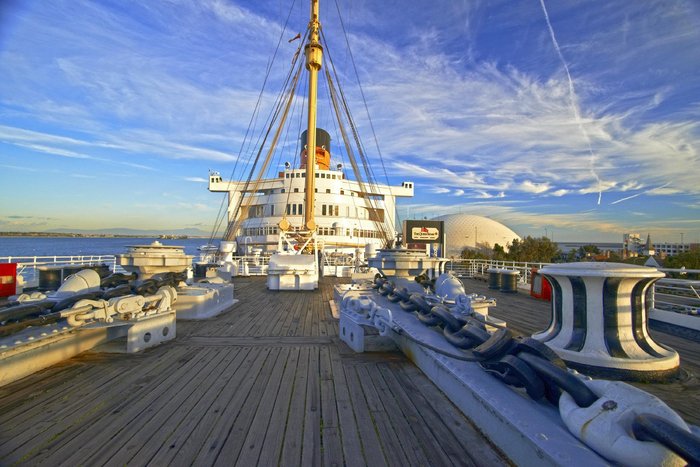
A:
(191, 232)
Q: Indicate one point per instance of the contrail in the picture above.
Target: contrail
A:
(572, 98)
(640, 193)
(628, 197)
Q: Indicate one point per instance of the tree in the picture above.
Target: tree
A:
(499, 253)
(587, 251)
(687, 259)
(533, 250)
(469, 253)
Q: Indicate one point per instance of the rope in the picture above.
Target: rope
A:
(221, 213)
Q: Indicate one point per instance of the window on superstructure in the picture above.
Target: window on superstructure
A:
(296, 190)
(342, 192)
(318, 175)
(289, 207)
(301, 209)
(283, 190)
(272, 209)
(336, 211)
(323, 209)
(328, 190)
(303, 175)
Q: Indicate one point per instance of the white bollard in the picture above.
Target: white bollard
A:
(599, 321)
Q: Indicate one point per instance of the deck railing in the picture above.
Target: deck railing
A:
(479, 268)
(28, 266)
(670, 294)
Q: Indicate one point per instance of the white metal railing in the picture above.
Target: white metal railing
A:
(479, 267)
(252, 265)
(678, 295)
(28, 266)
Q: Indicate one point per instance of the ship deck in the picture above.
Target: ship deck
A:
(267, 383)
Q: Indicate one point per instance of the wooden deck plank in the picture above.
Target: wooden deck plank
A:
(272, 446)
(171, 436)
(290, 310)
(330, 435)
(369, 437)
(252, 382)
(311, 445)
(40, 436)
(174, 403)
(291, 447)
(186, 446)
(248, 432)
(391, 425)
(402, 407)
(391, 445)
(432, 404)
(350, 440)
(63, 404)
(71, 449)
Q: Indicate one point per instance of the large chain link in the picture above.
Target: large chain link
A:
(617, 420)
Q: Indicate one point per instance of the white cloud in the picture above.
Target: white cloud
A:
(560, 192)
(532, 187)
(196, 179)
(439, 190)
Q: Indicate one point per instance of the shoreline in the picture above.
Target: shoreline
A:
(96, 235)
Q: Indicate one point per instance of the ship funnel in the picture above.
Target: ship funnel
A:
(323, 148)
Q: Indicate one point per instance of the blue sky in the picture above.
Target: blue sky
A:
(112, 112)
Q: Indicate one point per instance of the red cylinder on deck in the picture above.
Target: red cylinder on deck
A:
(8, 279)
(540, 286)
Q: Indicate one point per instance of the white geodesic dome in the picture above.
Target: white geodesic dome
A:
(469, 231)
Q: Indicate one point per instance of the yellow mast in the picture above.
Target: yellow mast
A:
(314, 56)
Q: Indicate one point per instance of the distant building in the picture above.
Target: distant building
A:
(671, 249)
(474, 232)
(612, 247)
(631, 245)
(648, 247)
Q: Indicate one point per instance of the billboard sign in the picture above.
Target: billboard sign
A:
(424, 231)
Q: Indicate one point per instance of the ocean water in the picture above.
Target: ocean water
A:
(63, 246)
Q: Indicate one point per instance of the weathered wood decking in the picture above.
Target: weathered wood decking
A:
(267, 383)
(528, 315)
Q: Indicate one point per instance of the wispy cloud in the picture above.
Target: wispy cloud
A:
(531, 187)
(169, 87)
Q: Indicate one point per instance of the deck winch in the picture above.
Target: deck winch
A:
(87, 310)
(43, 329)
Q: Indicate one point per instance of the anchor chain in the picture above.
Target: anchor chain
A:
(631, 426)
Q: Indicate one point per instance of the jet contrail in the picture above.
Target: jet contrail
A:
(572, 98)
(640, 193)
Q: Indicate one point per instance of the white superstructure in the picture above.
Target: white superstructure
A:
(344, 213)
